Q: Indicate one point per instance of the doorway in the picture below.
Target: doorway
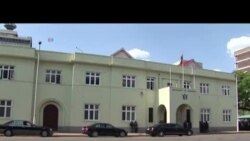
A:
(50, 117)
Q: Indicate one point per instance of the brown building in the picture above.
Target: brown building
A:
(243, 59)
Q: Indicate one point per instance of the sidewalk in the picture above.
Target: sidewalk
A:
(228, 132)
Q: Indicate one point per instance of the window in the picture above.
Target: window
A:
(204, 88)
(92, 78)
(205, 115)
(150, 114)
(225, 90)
(128, 113)
(53, 76)
(150, 83)
(187, 84)
(5, 108)
(6, 72)
(91, 112)
(227, 115)
(128, 81)
(169, 84)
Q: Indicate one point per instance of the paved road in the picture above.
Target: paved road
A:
(214, 137)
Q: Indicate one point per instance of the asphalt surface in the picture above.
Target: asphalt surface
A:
(198, 137)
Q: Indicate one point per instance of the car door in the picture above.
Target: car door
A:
(30, 129)
(100, 128)
(178, 129)
(170, 129)
(17, 127)
(110, 130)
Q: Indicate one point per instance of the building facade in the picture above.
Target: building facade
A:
(242, 57)
(78, 89)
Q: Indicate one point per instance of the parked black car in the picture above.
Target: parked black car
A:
(103, 129)
(22, 127)
(168, 129)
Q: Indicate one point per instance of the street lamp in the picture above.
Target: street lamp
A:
(35, 95)
(237, 106)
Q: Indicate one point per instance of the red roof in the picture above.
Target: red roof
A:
(122, 50)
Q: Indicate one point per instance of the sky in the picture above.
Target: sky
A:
(211, 44)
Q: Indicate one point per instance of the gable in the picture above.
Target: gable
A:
(122, 54)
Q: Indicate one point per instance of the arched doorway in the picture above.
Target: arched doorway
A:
(50, 116)
(183, 114)
(162, 114)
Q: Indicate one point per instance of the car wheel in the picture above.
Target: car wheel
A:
(8, 133)
(122, 134)
(180, 134)
(94, 134)
(44, 134)
(189, 133)
(161, 134)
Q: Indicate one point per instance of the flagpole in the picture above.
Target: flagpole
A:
(193, 75)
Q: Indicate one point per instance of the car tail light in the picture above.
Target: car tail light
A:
(85, 129)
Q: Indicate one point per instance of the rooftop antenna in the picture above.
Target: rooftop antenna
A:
(79, 49)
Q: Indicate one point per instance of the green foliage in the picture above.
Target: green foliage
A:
(243, 90)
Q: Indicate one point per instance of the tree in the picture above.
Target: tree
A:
(243, 90)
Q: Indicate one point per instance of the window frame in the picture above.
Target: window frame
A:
(225, 90)
(227, 115)
(205, 114)
(9, 70)
(52, 75)
(129, 110)
(204, 88)
(95, 108)
(128, 81)
(150, 83)
(5, 107)
(187, 84)
(93, 77)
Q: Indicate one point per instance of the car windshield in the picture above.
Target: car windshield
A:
(109, 126)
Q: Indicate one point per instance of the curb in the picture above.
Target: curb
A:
(143, 134)
(83, 135)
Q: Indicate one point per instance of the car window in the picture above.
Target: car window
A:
(177, 126)
(97, 126)
(171, 125)
(16, 123)
(100, 125)
(109, 126)
(167, 125)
